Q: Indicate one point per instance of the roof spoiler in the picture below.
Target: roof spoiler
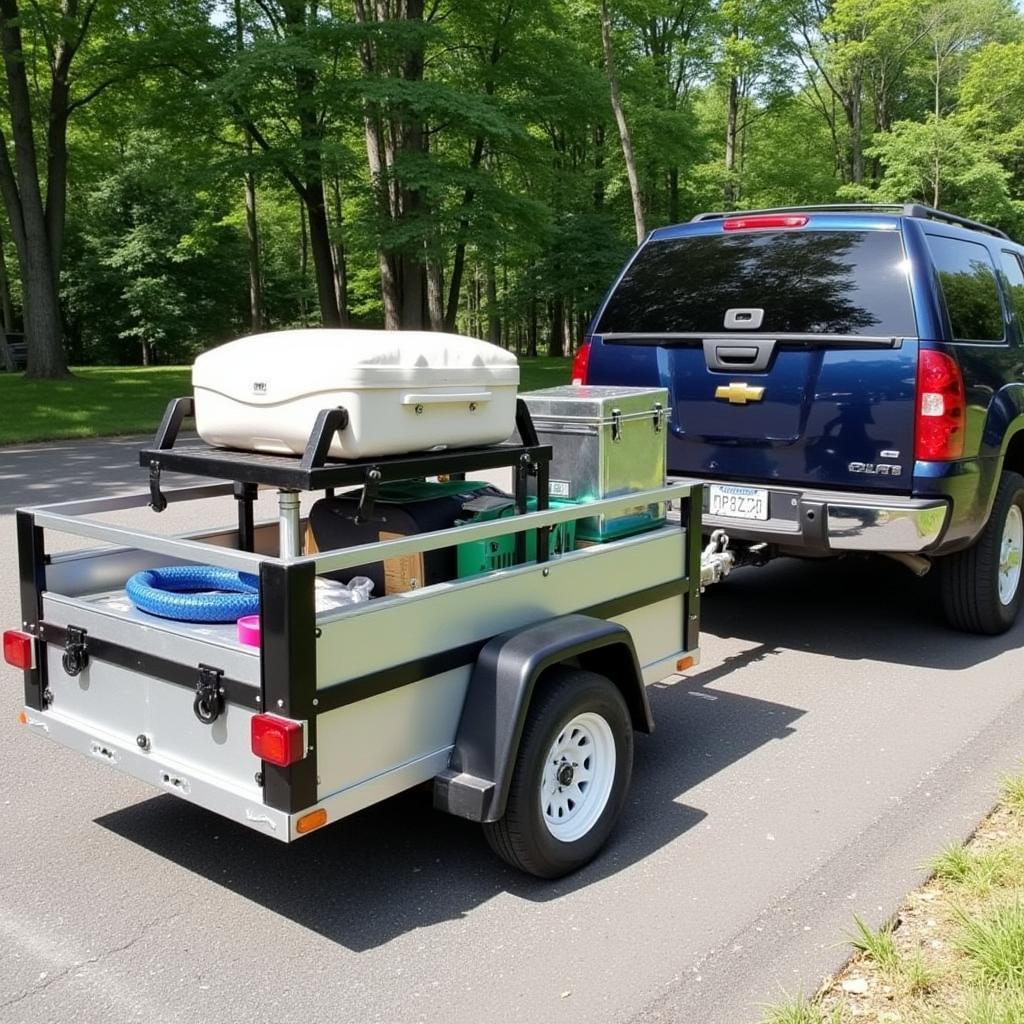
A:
(904, 209)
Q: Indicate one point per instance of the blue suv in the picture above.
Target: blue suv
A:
(846, 378)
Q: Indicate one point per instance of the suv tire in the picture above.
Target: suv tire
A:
(981, 587)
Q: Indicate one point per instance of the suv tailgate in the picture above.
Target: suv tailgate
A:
(789, 356)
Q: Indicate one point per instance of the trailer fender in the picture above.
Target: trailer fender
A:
(507, 670)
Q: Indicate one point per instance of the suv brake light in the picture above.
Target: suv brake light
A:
(580, 364)
(939, 427)
(771, 220)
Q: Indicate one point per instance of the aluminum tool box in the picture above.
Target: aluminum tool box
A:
(404, 391)
(364, 701)
(606, 441)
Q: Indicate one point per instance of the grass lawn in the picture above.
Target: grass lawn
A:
(103, 400)
(954, 954)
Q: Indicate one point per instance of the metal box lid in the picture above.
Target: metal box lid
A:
(593, 403)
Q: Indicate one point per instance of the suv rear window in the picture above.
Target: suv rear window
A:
(807, 282)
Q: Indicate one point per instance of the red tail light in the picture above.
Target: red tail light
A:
(281, 741)
(19, 649)
(771, 220)
(940, 407)
(580, 364)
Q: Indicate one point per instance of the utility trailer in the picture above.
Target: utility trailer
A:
(515, 692)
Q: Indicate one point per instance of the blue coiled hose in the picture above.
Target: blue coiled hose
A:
(195, 593)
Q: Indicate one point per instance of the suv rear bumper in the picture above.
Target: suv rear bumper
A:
(819, 522)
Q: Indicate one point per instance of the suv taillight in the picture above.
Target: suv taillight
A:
(939, 427)
(580, 364)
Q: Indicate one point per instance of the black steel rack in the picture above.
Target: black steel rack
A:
(314, 470)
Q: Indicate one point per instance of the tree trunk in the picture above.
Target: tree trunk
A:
(252, 232)
(251, 223)
(389, 134)
(6, 312)
(854, 122)
(673, 195)
(320, 250)
(531, 328)
(6, 319)
(303, 264)
(338, 258)
(938, 113)
(493, 316)
(732, 118)
(556, 347)
(435, 295)
(311, 133)
(599, 167)
(23, 200)
(411, 289)
(620, 120)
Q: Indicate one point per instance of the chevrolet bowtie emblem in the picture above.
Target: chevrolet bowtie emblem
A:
(738, 393)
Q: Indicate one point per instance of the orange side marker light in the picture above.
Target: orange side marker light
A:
(311, 821)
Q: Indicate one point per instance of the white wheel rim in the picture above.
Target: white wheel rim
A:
(1010, 555)
(578, 774)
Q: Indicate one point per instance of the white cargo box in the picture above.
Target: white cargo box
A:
(405, 391)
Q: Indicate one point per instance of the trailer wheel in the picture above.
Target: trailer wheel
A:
(981, 587)
(570, 778)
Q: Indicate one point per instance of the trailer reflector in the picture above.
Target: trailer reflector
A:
(280, 741)
(22, 718)
(311, 821)
(684, 663)
(19, 649)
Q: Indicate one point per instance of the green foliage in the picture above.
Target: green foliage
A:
(944, 163)
(992, 1006)
(879, 945)
(96, 401)
(800, 1010)
(1013, 792)
(993, 942)
(152, 258)
(501, 153)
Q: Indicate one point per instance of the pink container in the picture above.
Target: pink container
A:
(249, 630)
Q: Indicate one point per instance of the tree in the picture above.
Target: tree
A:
(943, 163)
(37, 217)
(752, 65)
(620, 121)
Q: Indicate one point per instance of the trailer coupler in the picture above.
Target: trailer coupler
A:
(717, 559)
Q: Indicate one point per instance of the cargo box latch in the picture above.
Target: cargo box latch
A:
(76, 654)
(209, 702)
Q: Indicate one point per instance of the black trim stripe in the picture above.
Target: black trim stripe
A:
(349, 691)
(235, 691)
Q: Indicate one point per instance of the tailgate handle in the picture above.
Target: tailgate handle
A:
(752, 356)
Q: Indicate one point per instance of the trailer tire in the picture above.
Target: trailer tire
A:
(571, 775)
(982, 587)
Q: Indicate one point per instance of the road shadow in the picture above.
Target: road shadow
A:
(854, 608)
(41, 474)
(400, 865)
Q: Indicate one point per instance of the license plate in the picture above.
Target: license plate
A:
(737, 502)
